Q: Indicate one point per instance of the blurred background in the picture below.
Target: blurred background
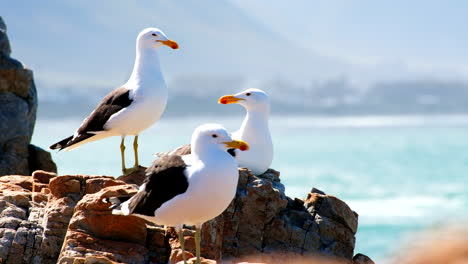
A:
(369, 98)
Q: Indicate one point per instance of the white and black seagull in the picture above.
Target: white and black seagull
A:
(189, 189)
(254, 129)
(134, 106)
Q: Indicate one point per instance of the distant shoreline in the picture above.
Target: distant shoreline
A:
(302, 120)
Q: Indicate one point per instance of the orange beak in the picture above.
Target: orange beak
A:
(237, 144)
(169, 43)
(229, 99)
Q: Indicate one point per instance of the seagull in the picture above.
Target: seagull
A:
(254, 129)
(134, 106)
(189, 189)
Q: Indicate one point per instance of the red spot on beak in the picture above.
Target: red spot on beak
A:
(243, 148)
(224, 101)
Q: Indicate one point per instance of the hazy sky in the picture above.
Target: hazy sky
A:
(417, 30)
(83, 42)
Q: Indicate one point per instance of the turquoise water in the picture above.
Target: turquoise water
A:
(400, 174)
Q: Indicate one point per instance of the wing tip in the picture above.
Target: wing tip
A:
(55, 146)
(61, 144)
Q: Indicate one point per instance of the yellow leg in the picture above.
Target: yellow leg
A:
(182, 245)
(197, 244)
(135, 150)
(122, 154)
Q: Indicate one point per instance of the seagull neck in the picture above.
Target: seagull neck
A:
(146, 65)
(256, 118)
(205, 153)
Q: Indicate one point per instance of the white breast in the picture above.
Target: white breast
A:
(210, 191)
(260, 155)
(149, 103)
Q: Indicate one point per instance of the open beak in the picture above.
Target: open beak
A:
(237, 144)
(229, 99)
(169, 43)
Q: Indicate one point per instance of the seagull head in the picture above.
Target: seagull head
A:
(251, 99)
(214, 136)
(154, 38)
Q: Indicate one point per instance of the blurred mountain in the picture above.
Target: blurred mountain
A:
(84, 42)
(334, 97)
(80, 50)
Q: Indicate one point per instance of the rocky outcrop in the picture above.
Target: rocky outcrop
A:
(18, 105)
(66, 219)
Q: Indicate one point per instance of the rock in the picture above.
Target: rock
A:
(137, 177)
(263, 220)
(176, 256)
(4, 42)
(18, 105)
(202, 261)
(66, 219)
(21, 183)
(333, 208)
(40, 159)
(41, 180)
(362, 259)
(18, 235)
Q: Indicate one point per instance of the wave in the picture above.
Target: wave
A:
(408, 209)
(371, 121)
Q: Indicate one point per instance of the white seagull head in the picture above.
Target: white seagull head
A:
(250, 99)
(214, 137)
(154, 38)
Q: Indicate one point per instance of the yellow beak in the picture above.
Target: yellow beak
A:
(169, 43)
(229, 99)
(237, 144)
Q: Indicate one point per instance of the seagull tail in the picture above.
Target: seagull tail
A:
(61, 144)
(119, 205)
(73, 142)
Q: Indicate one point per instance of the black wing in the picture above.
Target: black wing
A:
(165, 179)
(111, 104)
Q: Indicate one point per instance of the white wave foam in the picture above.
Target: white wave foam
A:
(401, 209)
(370, 121)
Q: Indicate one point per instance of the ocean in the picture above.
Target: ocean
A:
(401, 174)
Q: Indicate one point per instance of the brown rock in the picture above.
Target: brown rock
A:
(42, 197)
(22, 182)
(202, 261)
(176, 256)
(41, 180)
(94, 185)
(94, 216)
(332, 207)
(63, 186)
(79, 245)
(70, 222)
(137, 177)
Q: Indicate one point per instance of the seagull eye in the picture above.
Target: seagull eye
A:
(248, 94)
(214, 135)
(154, 35)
